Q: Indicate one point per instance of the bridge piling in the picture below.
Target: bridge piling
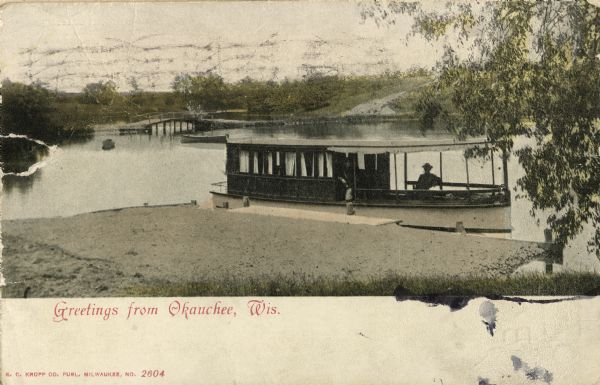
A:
(171, 123)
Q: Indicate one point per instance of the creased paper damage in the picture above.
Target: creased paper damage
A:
(36, 166)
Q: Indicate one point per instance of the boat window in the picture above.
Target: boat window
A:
(307, 164)
(360, 160)
(244, 161)
(270, 163)
(303, 165)
(324, 165)
(321, 164)
(329, 161)
(290, 163)
(255, 169)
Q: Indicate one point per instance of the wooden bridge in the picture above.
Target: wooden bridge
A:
(172, 122)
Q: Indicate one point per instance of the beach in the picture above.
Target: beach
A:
(108, 253)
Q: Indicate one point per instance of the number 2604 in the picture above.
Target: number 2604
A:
(153, 373)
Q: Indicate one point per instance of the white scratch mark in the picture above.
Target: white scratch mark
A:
(83, 48)
(36, 166)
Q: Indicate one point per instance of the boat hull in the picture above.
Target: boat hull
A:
(494, 219)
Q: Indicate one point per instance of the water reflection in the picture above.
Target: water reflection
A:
(155, 169)
(81, 177)
(20, 183)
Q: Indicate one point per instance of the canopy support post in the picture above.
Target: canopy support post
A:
(396, 176)
(406, 171)
(467, 168)
(493, 168)
(441, 173)
(505, 168)
(354, 173)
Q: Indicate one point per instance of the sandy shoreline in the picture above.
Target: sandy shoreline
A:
(105, 253)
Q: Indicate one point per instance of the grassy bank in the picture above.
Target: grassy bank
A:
(303, 285)
(361, 90)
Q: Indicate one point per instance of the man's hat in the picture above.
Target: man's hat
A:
(427, 166)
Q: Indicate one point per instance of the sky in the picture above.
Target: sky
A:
(70, 45)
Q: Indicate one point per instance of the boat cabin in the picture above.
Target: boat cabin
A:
(384, 172)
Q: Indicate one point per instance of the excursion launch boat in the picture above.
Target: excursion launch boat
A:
(379, 177)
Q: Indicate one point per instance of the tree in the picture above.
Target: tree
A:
(27, 110)
(32, 110)
(521, 68)
(203, 92)
(318, 90)
(100, 92)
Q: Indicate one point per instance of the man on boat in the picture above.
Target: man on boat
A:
(427, 180)
(348, 182)
(348, 179)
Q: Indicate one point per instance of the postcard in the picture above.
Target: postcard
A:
(300, 192)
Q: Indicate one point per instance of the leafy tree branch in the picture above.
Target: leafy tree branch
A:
(520, 69)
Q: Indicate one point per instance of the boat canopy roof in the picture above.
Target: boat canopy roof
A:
(369, 146)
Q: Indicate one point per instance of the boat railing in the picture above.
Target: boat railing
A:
(413, 183)
(294, 187)
(476, 192)
(220, 187)
(434, 192)
(282, 187)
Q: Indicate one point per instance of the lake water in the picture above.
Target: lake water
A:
(80, 177)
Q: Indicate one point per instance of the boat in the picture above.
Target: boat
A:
(108, 144)
(378, 178)
(204, 138)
